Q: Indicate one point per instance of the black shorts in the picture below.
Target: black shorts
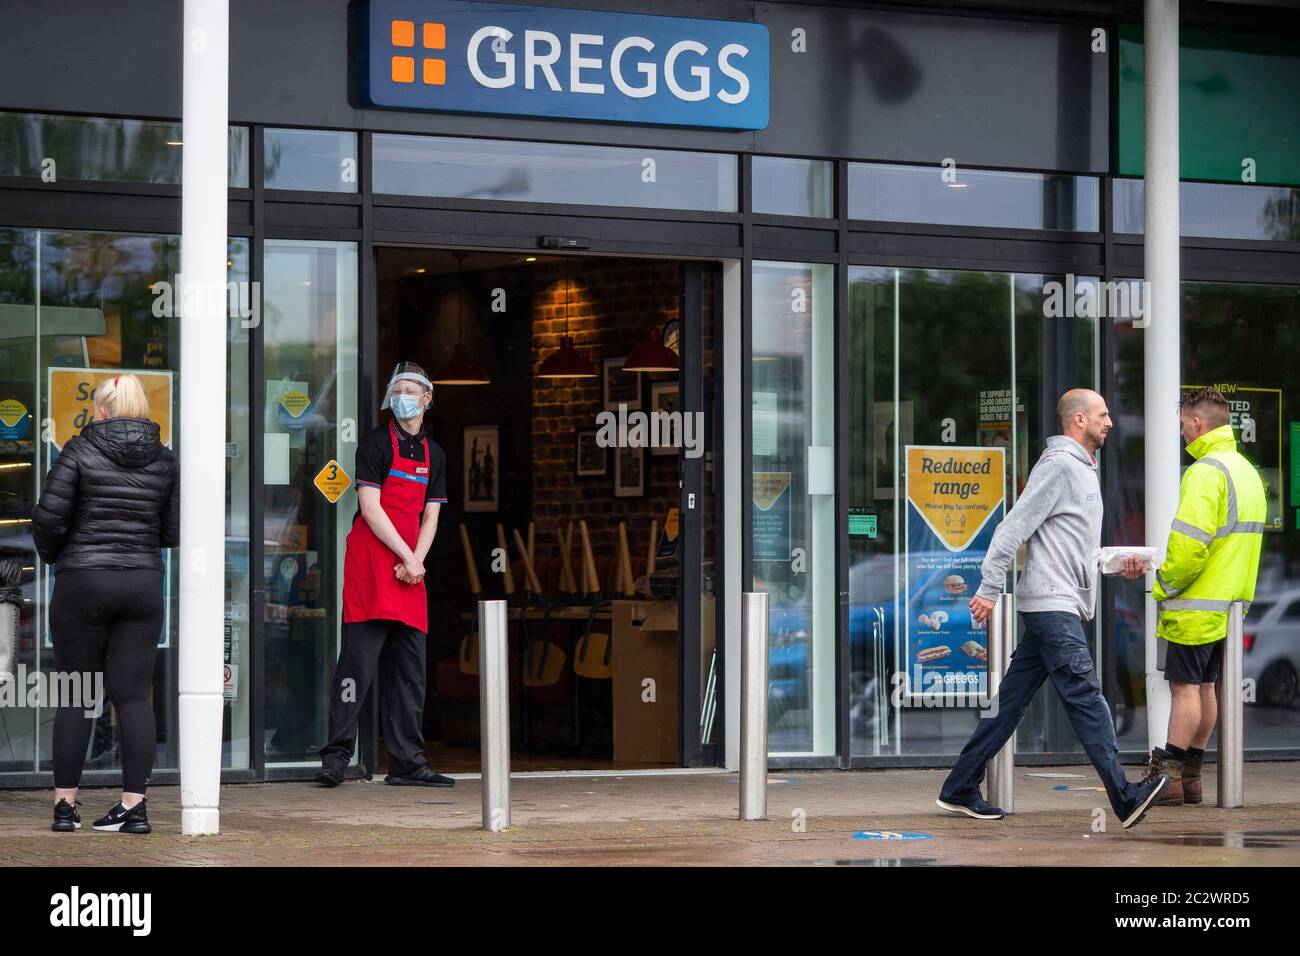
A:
(1193, 663)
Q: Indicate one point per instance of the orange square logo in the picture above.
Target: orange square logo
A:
(435, 36)
(403, 69)
(435, 72)
(404, 33)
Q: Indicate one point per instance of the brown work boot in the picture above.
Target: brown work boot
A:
(1161, 763)
(1192, 779)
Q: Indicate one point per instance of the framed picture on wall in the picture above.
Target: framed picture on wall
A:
(619, 387)
(482, 468)
(666, 397)
(629, 472)
(589, 458)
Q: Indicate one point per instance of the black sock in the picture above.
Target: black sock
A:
(1196, 753)
(1178, 753)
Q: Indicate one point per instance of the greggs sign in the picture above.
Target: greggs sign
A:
(469, 57)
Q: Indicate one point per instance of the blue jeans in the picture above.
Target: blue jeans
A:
(1053, 645)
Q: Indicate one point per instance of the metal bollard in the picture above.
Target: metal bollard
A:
(1002, 634)
(753, 706)
(494, 714)
(1231, 741)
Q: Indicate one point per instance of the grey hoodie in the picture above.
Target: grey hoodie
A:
(1059, 514)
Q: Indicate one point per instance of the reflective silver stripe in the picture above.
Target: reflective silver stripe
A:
(1194, 604)
(1241, 527)
(1193, 532)
(1172, 592)
(1232, 525)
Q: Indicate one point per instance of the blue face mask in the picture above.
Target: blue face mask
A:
(406, 406)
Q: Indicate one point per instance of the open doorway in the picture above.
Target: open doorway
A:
(600, 536)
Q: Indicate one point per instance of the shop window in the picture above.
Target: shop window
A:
(792, 467)
(952, 195)
(75, 309)
(61, 148)
(310, 341)
(1243, 338)
(1217, 210)
(793, 187)
(957, 366)
(316, 160)
(554, 173)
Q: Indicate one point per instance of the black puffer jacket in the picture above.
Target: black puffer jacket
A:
(112, 499)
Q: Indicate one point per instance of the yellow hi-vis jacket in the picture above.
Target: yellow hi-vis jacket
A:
(1212, 556)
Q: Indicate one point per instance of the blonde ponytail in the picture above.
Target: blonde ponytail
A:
(122, 396)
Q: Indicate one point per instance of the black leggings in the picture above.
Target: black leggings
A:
(107, 622)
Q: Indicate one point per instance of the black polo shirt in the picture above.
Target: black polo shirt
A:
(375, 459)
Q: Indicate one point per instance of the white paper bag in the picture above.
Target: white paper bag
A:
(1111, 560)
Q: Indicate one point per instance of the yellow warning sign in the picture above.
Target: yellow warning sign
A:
(72, 393)
(295, 402)
(333, 481)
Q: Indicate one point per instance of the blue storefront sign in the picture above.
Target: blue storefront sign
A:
(507, 59)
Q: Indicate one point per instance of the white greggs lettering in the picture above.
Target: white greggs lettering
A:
(542, 50)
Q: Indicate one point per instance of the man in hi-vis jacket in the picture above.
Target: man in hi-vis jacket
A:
(1211, 560)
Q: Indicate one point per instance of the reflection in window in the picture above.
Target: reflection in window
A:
(317, 160)
(84, 314)
(554, 173)
(793, 474)
(310, 336)
(973, 197)
(793, 187)
(948, 358)
(1217, 210)
(104, 150)
(1244, 338)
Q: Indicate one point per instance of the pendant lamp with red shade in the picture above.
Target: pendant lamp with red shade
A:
(566, 361)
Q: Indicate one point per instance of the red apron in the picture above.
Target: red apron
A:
(371, 590)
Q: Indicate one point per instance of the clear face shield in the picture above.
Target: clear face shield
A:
(407, 379)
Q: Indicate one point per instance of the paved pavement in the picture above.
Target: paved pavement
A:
(681, 819)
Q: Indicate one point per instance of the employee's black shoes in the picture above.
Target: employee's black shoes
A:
(978, 807)
(330, 776)
(1148, 792)
(122, 820)
(66, 817)
(424, 777)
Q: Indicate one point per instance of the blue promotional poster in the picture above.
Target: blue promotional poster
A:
(955, 501)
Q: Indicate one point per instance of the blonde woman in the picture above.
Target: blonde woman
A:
(110, 503)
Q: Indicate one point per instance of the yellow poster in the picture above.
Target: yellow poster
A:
(72, 392)
(955, 490)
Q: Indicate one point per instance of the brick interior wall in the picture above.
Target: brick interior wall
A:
(612, 306)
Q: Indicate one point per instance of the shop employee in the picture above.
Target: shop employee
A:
(401, 486)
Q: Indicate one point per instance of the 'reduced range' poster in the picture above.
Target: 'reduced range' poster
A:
(955, 501)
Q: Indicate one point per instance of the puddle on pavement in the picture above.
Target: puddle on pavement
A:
(1230, 839)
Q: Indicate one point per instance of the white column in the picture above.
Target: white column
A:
(1162, 336)
(203, 409)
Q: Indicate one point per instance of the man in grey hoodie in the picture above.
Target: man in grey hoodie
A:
(1059, 515)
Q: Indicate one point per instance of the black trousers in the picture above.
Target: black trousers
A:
(397, 653)
(107, 622)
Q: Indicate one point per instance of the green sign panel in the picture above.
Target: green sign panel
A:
(1295, 467)
(862, 525)
(1237, 106)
